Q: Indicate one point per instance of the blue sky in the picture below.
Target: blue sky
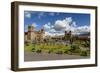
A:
(57, 21)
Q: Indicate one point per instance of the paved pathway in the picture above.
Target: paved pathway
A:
(30, 56)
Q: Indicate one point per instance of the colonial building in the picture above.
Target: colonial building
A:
(34, 36)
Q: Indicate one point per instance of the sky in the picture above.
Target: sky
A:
(55, 23)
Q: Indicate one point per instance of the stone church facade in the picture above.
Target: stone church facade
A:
(34, 36)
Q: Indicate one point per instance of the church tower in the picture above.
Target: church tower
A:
(30, 32)
(30, 28)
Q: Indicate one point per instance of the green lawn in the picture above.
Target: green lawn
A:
(46, 47)
(57, 48)
(28, 47)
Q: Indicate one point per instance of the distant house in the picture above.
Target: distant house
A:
(82, 37)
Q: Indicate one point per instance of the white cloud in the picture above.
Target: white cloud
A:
(27, 14)
(47, 26)
(34, 24)
(59, 25)
(54, 34)
(25, 28)
(49, 34)
(66, 24)
(52, 30)
(73, 24)
(69, 20)
(83, 29)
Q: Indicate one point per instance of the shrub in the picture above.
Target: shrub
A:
(33, 49)
(38, 50)
(50, 51)
(88, 52)
(86, 44)
(74, 49)
(26, 43)
(59, 52)
(69, 52)
(66, 51)
(83, 53)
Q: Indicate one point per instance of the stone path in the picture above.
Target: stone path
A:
(30, 56)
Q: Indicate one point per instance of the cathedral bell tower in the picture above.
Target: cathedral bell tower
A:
(30, 31)
(30, 28)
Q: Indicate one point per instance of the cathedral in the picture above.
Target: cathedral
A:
(39, 36)
(34, 36)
